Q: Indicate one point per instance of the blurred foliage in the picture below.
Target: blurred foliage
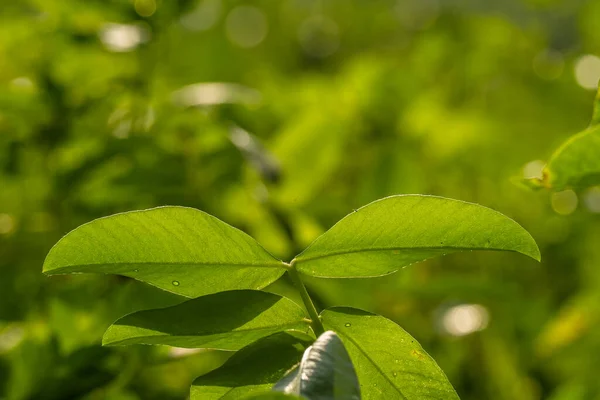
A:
(328, 105)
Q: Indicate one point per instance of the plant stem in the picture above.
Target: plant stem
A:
(316, 324)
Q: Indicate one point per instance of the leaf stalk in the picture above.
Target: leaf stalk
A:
(316, 324)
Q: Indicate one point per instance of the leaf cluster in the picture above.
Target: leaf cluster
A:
(222, 270)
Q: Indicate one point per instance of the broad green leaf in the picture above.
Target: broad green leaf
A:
(252, 370)
(396, 231)
(389, 362)
(178, 249)
(325, 372)
(224, 321)
(576, 163)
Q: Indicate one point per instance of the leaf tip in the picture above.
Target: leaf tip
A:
(47, 268)
(537, 255)
(532, 250)
(109, 338)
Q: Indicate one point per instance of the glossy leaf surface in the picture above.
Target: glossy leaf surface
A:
(325, 372)
(178, 249)
(389, 362)
(397, 231)
(252, 370)
(224, 321)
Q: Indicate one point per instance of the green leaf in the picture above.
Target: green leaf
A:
(254, 369)
(178, 249)
(325, 372)
(390, 363)
(396, 231)
(224, 321)
(576, 163)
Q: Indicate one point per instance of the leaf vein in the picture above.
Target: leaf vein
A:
(301, 259)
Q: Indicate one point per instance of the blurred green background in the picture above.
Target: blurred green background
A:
(280, 117)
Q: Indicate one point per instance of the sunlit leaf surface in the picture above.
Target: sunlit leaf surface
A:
(397, 231)
(182, 250)
(225, 321)
(389, 362)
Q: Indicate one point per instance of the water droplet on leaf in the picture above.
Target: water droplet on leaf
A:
(395, 374)
(348, 325)
(175, 283)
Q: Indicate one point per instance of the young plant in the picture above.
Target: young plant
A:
(222, 270)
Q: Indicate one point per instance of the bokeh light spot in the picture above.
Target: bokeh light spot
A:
(145, 8)
(215, 93)
(548, 64)
(465, 319)
(10, 337)
(565, 202)
(246, 26)
(179, 352)
(203, 17)
(591, 199)
(22, 83)
(587, 71)
(7, 224)
(123, 37)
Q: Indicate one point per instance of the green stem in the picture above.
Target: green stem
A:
(316, 324)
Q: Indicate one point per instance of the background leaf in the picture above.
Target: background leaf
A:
(179, 249)
(396, 231)
(576, 163)
(225, 321)
(390, 363)
(325, 372)
(254, 369)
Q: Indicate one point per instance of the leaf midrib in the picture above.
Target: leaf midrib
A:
(189, 263)
(301, 259)
(285, 327)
